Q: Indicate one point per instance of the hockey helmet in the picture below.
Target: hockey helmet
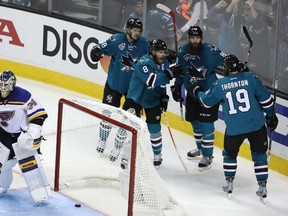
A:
(231, 63)
(134, 23)
(158, 44)
(195, 31)
(7, 83)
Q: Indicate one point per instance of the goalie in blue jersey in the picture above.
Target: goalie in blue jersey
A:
(22, 118)
(244, 100)
(199, 60)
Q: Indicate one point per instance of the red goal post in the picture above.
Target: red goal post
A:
(77, 138)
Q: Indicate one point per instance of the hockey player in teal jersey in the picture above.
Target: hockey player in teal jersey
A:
(244, 100)
(148, 90)
(122, 48)
(22, 118)
(199, 60)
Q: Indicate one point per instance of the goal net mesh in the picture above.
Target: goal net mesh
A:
(79, 122)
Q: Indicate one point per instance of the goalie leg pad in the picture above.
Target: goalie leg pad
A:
(33, 172)
(4, 154)
(6, 175)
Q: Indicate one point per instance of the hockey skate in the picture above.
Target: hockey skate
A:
(228, 188)
(101, 146)
(193, 154)
(262, 191)
(157, 160)
(205, 163)
(114, 154)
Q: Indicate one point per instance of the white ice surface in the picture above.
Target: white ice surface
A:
(200, 193)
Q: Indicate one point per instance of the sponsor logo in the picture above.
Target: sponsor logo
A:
(70, 46)
(8, 30)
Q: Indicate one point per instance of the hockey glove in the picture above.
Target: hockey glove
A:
(174, 71)
(30, 137)
(271, 122)
(95, 54)
(171, 57)
(176, 93)
(243, 67)
(195, 87)
(164, 103)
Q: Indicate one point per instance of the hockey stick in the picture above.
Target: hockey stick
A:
(250, 44)
(167, 124)
(271, 132)
(172, 14)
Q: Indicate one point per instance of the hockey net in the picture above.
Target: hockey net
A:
(79, 122)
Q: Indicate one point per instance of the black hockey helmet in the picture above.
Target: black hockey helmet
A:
(134, 23)
(158, 44)
(7, 83)
(195, 31)
(231, 63)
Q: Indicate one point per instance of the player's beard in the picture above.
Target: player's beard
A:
(195, 48)
(160, 61)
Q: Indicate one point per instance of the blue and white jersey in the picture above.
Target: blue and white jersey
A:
(206, 62)
(119, 48)
(244, 98)
(20, 109)
(148, 82)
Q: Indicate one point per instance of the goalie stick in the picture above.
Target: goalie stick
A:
(172, 14)
(250, 44)
(173, 141)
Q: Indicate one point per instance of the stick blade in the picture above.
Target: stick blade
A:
(247, 35)
(163, 7)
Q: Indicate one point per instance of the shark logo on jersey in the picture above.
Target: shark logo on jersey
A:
(198, 73)
(126, 61)
(5, 116)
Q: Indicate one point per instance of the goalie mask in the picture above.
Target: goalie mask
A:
(7, 83)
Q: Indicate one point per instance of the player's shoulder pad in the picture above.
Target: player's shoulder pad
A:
(144, 60)
(116, 37)
(19, 95)
(210, 47)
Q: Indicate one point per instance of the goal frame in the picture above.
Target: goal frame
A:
(133, 131)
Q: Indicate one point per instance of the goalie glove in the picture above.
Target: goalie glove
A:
(30, 137)
(176, 93)
(271, 122)
(174, 71)
(96, 54)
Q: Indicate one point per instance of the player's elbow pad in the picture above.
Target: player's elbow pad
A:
(30, 137)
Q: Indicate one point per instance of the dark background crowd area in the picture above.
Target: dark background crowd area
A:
(268, 31)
